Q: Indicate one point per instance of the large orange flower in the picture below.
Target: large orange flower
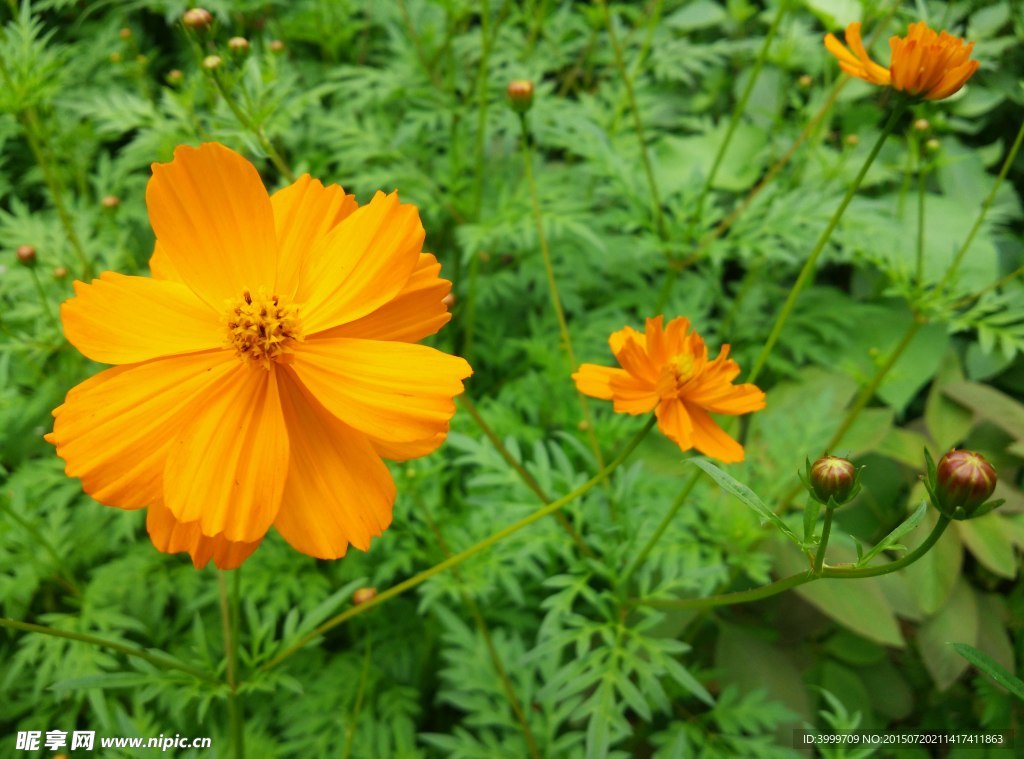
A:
(667, 371)
(923, 64)
(266, 367)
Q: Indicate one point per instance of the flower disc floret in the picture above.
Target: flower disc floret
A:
(261, 328)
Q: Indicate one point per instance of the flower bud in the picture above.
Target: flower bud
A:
(362, 595)
(125, 33)
(852, 140)
(964, 480)
(60, 273)
(922, 125)
(110, 202)
(932, 146)
(520, 95)
(448, 300)
(212, 62)
(174, 76)
(805, 81)
(26, 256)
(116, 57)
(834, 478)
(238, 45)
(276, 46)
(199, 19)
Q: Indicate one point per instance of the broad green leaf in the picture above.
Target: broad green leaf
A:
(932, 577)
(991, 543)
(948, 421)
(776, 671)
(989, 404)
(889, 541)
(748, 496)
(956, 622)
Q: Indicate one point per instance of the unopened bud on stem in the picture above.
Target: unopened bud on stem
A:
(520, 95)
(833, 480)
(963, 480)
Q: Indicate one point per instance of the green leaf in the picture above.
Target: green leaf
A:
(748, 496)
(987, 538)
(990, 404)
(889, 541)
(992, 668)
(956, 622)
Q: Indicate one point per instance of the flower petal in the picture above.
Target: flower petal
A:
(212, 216)
(392, 391)
(361, 264)
(228, 462)
(712, 440)
(415, 313)
(304, 212)
(128, 320)
(596, 381)
(338, 490)
(171, 536)
(674, 423)
(114, 430)
(161, 266)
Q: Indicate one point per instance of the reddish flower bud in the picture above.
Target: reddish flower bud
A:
(362, 595)
(60, 273)
(26, 255)
(963, 479)
(110, 202)
(520, 95)
(276, 46)
(238, 45)
(199, 19)
(833, 477)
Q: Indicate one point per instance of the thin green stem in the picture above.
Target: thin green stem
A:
(645, 158)
(676, 267)
(42, 297)
(826, 529)
(481, 105)
(549, 271)
(467, 553)
(138, 653)
(968, 299)
(231, 653)
(247, 123)
(812, 259)
(492, 650)
(527, 478)
(921, 176)
(364, 672)
(1010, 158)
(772, 589)
(660, 530)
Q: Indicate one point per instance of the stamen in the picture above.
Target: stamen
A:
(262, 330)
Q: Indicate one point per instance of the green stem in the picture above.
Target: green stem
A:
(921, 174)
(676, 267)
(256, 129)
(826, 529)
(42, 297)
(138, 653)
(1010, 158)
(549, 271)
(467, 553)
(492, 650)
(660, 530)
(481, 106)
(364, 672)
(527, 478)
(230, 652)
(645, 158)
(808, 267)
(766, 591)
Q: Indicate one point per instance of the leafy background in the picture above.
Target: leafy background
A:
(411, 95)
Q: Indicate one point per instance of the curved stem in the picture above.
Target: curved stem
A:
(808, 267)
(138, 653)
(660, 530)
(556, 300)
(772, 589)
(467, 553)
(230, 652)
(826, 529)
(921, 176)
(527, 478)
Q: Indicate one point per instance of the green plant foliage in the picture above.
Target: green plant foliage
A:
(685, 157)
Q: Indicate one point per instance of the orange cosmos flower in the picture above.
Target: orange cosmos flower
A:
(266, 367)
(668, 371)
(923, 64)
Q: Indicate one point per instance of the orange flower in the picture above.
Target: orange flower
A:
(923, 64)
(668, 371)
(266, 367)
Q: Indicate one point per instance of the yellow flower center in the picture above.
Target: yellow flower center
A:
(682, 367)
(261, 328)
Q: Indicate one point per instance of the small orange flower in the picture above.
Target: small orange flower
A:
(923, 64)
(668, 371)
(265, 369)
